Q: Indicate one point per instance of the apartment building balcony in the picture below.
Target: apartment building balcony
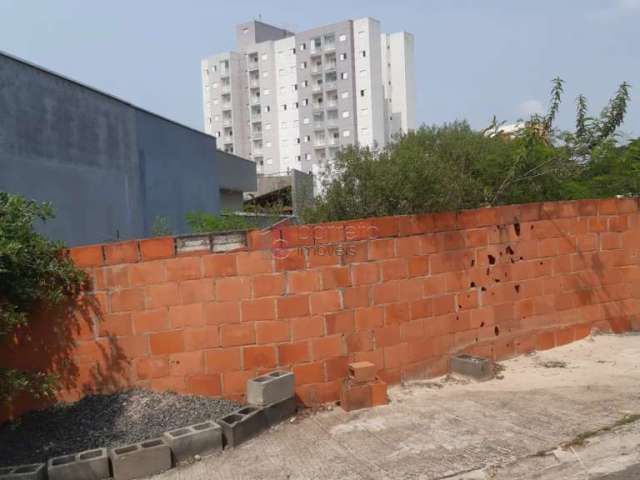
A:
(255, 100)
(256, 133)
(226, 106)
(256, 117)
(317, 87)
(332, 104)
(328, 47)
(225, 88)
(254, 83)
(330, 66)
(329, 86)
(319, 142)
(317, 107)
(316, 69)
(224, 72)
(227, 122)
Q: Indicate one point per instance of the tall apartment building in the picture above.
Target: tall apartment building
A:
(292, 100)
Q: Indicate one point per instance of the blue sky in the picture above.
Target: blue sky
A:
(474, 59)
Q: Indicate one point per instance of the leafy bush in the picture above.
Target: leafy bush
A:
(453, 167)
(202, 222)
(35, 274)
(160, 227)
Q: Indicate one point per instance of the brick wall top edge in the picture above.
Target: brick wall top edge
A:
(361, 229)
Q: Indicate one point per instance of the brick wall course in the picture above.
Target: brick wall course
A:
(401, 292)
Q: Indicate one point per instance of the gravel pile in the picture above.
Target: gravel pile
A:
(102, 421)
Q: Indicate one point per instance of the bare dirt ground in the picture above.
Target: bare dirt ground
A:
(568, 413)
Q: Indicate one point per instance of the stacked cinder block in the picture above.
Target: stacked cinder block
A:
(271, 399)
(362, 389)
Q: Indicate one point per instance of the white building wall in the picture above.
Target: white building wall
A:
(368, 83)
(288, 105)
(399, 82)
(319, 73)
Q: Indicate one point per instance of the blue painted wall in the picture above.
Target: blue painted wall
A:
(108, 167)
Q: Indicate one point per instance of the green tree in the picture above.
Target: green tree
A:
(452, 167)
(35, 274)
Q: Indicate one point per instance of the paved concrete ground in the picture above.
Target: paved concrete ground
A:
(506, 428)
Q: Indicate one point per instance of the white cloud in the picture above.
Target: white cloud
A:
(615, 10)
(530, 107)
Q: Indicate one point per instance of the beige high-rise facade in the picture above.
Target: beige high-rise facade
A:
(292, 100)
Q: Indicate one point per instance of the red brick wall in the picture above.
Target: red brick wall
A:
(403, 292)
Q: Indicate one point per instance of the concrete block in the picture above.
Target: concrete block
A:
(199, 439)
(378, 393)
(475, 367)
(87, 465)
(140, 459)
(243, 424)
(280, 411)
(270, 388)
(362, 371)
(33, 471)
(354, 396)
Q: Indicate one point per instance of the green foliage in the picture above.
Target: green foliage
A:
(453, 167)
(35, 274)
(160, 227)
(202, 222)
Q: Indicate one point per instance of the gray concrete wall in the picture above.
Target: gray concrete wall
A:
(72, 146)
(177, 171)
(107, 167)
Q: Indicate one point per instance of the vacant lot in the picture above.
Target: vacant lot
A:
(584, 395)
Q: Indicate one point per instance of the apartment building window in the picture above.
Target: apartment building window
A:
(283, 125)
(343, 56)
(342, 38)
(298, 158)
(284, 107)
(303, 65)
(295, 87)
(345, 114)
(307, 156)
(293, 51)
(305, 83)
(298, 140)
(267, 91)
(265, 74)
(305, 120)
(267, 126)
(305, 102)
(346, 133)
(362, 93)
(210, 121)
(344, 95)
(264, 56)
(218, 133)
(363, 53)
(344, 75)
(269, 161)
(268, 144)
(296, 105)
(303, 46)
(307, 139)
(267, 109)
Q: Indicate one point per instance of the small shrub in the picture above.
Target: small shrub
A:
(35, 274)
(202, 222)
